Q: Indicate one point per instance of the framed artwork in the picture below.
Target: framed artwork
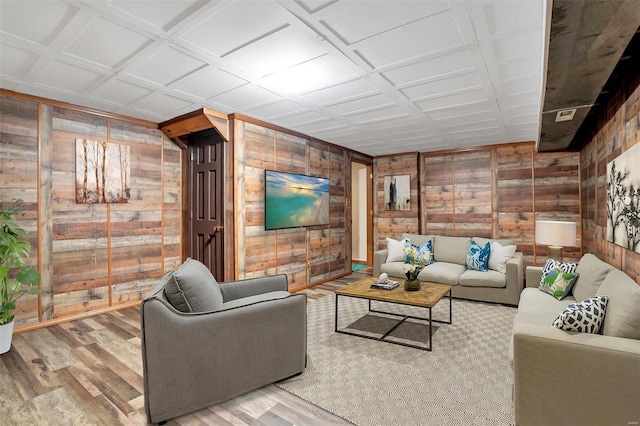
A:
(103, 172)
(397, 192)
(623, 199)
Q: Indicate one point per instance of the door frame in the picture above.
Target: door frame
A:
(369, 207)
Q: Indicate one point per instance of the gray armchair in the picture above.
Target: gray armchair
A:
(194, 360)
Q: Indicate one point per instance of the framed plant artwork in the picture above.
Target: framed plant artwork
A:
(623, 199)
(103, 172)
(397, 192)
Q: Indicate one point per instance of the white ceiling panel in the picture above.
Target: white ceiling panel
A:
(63, 76)
(380, 77)
(341, 92)
(445, 86)
(276, 110)
(161, 14)
(160, 104)
(208, 82)
(15, 62)
(353, 21)
(460, 99)
(36, 21)
(276, 52)
(118, 43)
(119, 92)
(362, 104)
(311, 75)
(494, 18)
(166, 66)
(245, 97)
(234, 26)
(434, 68)
(427, 36)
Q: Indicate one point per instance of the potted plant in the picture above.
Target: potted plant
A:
(16, 279)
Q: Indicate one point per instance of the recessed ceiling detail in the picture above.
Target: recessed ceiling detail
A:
(379, 77)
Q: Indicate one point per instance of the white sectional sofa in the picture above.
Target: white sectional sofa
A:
(450, 254)
(572, 378)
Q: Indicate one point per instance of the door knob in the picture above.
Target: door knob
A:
(217, 228)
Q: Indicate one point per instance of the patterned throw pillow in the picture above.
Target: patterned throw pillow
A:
(558, 283)
(584, 317)
(478, 257)
(422, 254)
(565, 267)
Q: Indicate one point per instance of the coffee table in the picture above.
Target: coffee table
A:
(427, 297)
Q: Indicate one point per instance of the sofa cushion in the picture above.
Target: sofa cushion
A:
(471, 278)
(451, 249)
(584, 317)
(249, 300)
(393, 269)
(557, 283)
(623, 310)
(395, 250)
(192, 288)
(592, 273)
(442, 272)
(500, 255)
(536, 307)
(478, 257)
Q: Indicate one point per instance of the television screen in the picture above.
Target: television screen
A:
(293, 200)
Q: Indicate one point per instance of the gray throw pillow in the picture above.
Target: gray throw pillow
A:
(623, 313)
(192, 288)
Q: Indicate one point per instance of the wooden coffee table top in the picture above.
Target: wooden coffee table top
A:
(427, 297)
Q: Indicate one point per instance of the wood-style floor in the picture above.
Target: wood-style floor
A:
(89, 371)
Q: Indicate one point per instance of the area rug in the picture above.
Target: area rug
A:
(466, 379)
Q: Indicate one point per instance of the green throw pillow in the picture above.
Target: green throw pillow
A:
(558, 283)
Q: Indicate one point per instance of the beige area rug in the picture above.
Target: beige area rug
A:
(465, 380)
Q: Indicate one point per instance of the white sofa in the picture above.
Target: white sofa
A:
(571, 378)
(450, 254)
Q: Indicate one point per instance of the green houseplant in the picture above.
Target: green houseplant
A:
(16, 279)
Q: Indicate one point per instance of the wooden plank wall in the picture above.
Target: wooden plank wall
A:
(19, 179)
(307, 255)
(493, 192)
(619, 133)
(91, 256)
(513, 201)
(393, 223)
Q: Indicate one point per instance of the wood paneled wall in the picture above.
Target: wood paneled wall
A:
(492, 192)
(91, 256)
(392, 223)
(307, 255)
(618, 133)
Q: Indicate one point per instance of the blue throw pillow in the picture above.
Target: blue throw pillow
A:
(422, 254)
(478, 257)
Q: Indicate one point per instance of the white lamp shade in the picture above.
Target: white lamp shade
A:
(556, 233)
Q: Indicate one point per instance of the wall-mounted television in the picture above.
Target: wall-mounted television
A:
(293, 200)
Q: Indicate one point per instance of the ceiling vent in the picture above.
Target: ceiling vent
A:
(565, 114)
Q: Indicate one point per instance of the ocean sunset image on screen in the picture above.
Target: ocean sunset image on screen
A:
(294, 200)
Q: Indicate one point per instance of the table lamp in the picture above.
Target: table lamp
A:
(555, 234)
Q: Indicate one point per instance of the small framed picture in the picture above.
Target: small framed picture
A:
(397, 192)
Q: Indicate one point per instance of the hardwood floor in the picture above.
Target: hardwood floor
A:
(89, 372)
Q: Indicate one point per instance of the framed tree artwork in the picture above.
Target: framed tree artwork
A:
(103, 172)
(623, 199)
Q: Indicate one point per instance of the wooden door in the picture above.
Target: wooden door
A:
(207, 200)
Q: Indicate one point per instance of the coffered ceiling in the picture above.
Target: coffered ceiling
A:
(375, 76)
